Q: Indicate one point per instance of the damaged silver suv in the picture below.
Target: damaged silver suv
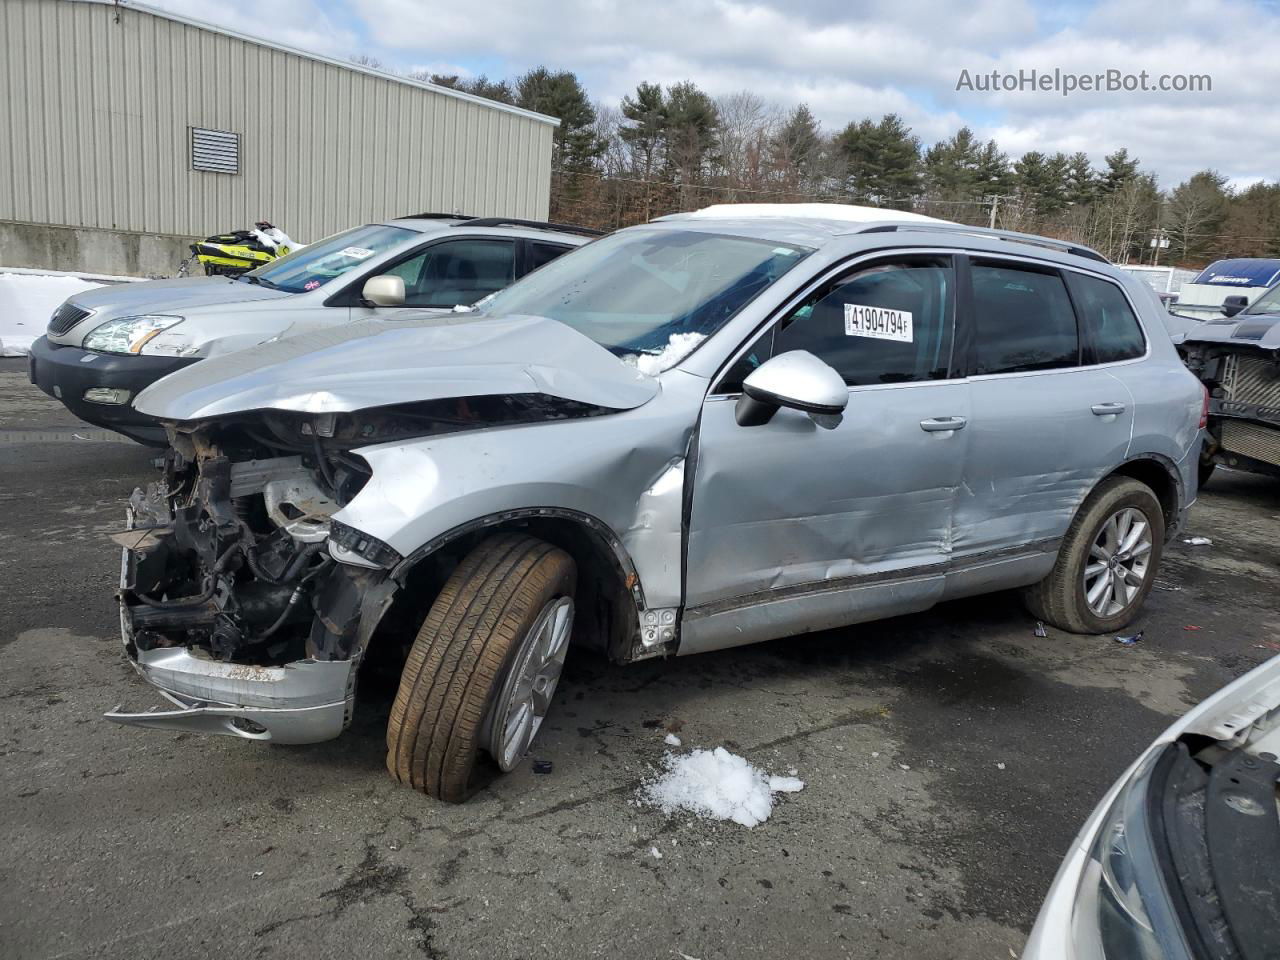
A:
(714, 429)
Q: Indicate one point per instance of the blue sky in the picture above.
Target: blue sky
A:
(853, 58)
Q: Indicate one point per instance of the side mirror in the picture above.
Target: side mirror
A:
(383, 291)
(796, 379)
(1234, 304)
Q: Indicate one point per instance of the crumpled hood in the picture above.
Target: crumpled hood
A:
(377, 363)
(171, 296)
(1247, 330)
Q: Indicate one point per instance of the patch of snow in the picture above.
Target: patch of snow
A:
(26, 302)
(678, 347)
(999, 766)
(671, 740)
(1198, 541)
(79, 274)
(656, 853)
(717, 785)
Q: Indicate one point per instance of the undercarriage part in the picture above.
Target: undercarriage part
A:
(1253, 440)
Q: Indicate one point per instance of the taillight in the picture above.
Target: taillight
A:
(1204, 407)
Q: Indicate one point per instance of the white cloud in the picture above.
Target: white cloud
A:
(294, 23)
(850, 60)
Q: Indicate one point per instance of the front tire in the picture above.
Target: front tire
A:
(505, 610)
(1107, 562)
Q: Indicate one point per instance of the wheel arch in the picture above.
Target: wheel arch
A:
(608, 599)
(1161, 475)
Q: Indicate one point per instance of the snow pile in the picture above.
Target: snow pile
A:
(678, 347)
(26, 302)
(717, 785)
(671, 740)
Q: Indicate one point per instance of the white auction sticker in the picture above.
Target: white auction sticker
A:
(878, 322)
(356, 253)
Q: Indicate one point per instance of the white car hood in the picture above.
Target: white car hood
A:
(378, 363)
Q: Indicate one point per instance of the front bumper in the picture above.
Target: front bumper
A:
(307, 701)
(65, 373)
(303, 702)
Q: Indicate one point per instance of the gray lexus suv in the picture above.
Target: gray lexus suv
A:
(714, 429)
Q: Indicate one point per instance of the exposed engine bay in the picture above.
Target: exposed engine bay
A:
(229, 553)
(1244, 405)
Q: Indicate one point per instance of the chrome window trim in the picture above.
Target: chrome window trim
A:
(834, 269)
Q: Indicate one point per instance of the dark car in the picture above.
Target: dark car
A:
(1238, 358)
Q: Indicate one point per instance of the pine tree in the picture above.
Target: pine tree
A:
(559, 94)
(882, 160)
(796, 148)
(646, 133)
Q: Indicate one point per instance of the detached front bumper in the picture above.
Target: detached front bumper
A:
(306, 701)
(303, 702)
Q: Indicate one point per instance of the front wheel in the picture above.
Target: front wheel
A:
(1107, 561)
(482, 671)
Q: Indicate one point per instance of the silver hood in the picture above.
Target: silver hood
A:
(378, 363)
(1260, 330)
(171, 296)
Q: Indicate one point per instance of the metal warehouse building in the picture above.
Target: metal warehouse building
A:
(129, 131)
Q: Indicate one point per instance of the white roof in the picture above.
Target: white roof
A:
(812, 211)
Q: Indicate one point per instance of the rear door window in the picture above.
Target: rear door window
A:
(1111, 331)
(538, 254)
(1022, 319)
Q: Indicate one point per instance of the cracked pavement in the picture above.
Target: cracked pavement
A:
(909, 840)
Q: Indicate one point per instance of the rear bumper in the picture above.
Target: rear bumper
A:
(307, 701)
(65, 373)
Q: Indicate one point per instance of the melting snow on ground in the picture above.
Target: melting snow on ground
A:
(678, 347)
(717, 785)
(26, 301)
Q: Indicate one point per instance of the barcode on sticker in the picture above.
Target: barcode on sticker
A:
(880, 323)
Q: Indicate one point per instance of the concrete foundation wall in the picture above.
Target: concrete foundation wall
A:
(116, 252)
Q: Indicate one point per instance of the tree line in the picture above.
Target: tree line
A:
(664, 149)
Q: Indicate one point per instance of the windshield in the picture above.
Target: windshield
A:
(315, 265)
(1269, 302)
(650, 296)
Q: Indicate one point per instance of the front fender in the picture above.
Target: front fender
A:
(607, 468)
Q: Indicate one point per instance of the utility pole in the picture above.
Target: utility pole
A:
(995, 203)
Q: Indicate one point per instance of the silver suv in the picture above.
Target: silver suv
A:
(714, 429)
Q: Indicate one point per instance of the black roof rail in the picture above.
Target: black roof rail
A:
(436, 216)
(533, 225)
(1010, 235)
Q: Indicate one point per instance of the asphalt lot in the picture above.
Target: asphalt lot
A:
(950, 757)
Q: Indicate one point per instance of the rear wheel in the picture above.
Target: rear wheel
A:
(482, 671)
(1107, 561)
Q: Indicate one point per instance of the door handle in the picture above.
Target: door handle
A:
(943, 424)
(1107, 409)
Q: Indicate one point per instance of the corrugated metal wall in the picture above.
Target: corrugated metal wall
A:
(96, 103)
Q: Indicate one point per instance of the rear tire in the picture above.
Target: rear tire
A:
(1061, 598)
(460, 660)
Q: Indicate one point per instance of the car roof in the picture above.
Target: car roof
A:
(854, 228)
(428, 223)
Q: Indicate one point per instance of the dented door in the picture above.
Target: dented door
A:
(796, 527)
